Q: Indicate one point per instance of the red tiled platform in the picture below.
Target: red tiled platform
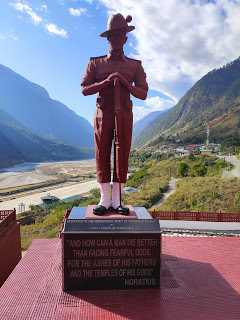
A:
(200, 281)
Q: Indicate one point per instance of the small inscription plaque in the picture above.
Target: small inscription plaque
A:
(111, 254)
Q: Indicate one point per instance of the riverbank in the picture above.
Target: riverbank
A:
(46, 172)
(70, 168)
(18, 179)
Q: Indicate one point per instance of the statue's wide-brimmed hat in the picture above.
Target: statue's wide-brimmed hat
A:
(117, 21)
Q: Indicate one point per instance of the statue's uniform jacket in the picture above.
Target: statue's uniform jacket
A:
(97, 70)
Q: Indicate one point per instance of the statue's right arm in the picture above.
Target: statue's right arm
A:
(89, 84)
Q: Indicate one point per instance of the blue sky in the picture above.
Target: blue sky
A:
(49, 42)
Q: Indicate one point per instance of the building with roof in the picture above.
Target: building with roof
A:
(48, 199)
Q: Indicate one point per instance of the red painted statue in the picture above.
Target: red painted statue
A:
(99, 78)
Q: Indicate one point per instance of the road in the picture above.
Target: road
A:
(61, 193)
(236, 171)
(167, 194)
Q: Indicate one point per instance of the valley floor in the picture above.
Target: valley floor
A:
(47, 172)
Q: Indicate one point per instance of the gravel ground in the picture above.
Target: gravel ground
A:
(17, 179)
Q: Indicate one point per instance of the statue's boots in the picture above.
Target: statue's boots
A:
(115, 203)
(105, 201)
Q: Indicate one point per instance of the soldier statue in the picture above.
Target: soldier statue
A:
(99, 77)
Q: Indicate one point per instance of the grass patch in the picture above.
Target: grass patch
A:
(153, 180)
(209, 194)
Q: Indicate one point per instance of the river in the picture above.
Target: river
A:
(22, 167)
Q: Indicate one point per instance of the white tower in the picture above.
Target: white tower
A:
(208, 133)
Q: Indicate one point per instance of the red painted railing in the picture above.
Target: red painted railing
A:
(196, 216)
(5, 213)
(7, 217)
(10, 243)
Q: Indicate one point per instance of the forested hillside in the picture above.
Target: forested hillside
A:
(19, 144)
(215, 99)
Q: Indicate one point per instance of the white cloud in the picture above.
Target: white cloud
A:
(153, 104)
(179, 41)
(53, 29)
(139, 113)
(36, 19)
(77, 12)
(10, 35)
(43, 7)
(88, 1)
(61, 2)
(159, 104)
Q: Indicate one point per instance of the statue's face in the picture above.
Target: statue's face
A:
(117, 38)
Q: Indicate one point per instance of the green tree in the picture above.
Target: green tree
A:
(183, 169)
(201, 171)
(191, 157)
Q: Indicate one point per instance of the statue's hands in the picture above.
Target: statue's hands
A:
(135, 91)
(117, 75)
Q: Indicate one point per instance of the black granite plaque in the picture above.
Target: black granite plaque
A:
(111, 225)
(111, 254)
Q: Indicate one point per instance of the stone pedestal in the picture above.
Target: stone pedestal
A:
(111, 253)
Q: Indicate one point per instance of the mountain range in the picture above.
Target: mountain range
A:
(34, 127)
(214, 100)
(19, 144)
(30, 105)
